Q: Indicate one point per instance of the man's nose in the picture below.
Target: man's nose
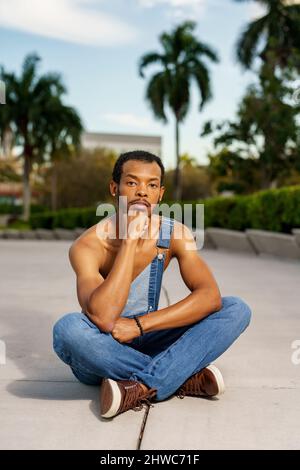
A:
(141, 190)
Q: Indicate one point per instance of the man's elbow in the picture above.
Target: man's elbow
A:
(216, 301)
(104, 325)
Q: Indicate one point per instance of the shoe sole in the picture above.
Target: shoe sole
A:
(110, 386)
(219, 378)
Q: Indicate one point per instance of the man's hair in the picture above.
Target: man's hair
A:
(140, 155)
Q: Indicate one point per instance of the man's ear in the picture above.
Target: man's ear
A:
(114, 188)
(162, 189)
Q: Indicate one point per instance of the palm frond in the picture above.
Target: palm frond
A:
(179, 93)
(202, 49)
(147, 59)
(29, 70)
(201, 74)
(248, 41)
(156, 95)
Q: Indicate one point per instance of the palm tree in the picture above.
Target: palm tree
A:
(275, 39)
(62, 137)
(180, 62)
(275, 36)
(30, 116)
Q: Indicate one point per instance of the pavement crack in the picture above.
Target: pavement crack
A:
(143, 426)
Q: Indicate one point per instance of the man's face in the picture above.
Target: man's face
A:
(140, 181)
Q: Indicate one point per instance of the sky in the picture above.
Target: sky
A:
(96, 44)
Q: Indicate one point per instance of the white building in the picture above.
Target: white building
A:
(121, 143)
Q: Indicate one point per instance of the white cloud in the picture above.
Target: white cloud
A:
(256, 10)
(128, 119)
(172, 3)
(179, 9)
(69, 20)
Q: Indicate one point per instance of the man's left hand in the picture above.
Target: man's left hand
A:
(125, 330)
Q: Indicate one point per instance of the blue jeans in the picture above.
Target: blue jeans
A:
(162, 359)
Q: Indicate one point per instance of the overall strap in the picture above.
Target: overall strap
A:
(157, 265)
(165, 232)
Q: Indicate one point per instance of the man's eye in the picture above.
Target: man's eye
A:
(129, 182)
(153, 184)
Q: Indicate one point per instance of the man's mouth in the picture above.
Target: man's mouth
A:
(139, 203)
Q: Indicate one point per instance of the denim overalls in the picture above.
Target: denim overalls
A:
(145, 289)
(161, 359)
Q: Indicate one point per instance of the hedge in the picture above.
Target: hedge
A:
(65, 218)
(6, 208)
(274, 209)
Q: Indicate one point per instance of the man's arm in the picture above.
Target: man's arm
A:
(102, 299)
(205, 297)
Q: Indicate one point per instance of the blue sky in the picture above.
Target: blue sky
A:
(96, 44)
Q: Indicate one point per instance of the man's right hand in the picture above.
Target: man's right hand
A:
(137, 223)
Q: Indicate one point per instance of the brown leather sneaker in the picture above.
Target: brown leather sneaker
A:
(118, 396)
(207, 382)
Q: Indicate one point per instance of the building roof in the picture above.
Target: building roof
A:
(122, 138)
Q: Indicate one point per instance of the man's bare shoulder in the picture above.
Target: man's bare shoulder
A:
(95, 236)
(88, 248)
(87, 239)
(182, 240)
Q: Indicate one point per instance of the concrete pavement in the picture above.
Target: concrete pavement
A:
(43, 406)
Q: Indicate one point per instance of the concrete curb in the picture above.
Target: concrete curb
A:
(272, 243)
(78, 231)
(29, 234)
(64, 234)
(42, 234)
(296, 233)
(11, 233)
(231, 240)
(207, 243)
(45, 234)
(256, 242)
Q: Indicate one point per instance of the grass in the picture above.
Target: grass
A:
(18, 224)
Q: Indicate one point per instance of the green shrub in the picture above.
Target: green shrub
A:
(65, 218)
(274, 209)
(42, 220)
(6, 208)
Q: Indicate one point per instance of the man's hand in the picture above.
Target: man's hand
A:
(125, 330)
(137, 221)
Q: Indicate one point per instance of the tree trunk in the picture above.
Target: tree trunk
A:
(26, 188)
(265, 181)
(54, 188)
(265, 174)
(268, 70)
(177, 176)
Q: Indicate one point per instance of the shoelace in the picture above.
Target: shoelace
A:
(191, 386)
(133, 400)
(180, 394)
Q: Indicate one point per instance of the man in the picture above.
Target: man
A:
(121, 339)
